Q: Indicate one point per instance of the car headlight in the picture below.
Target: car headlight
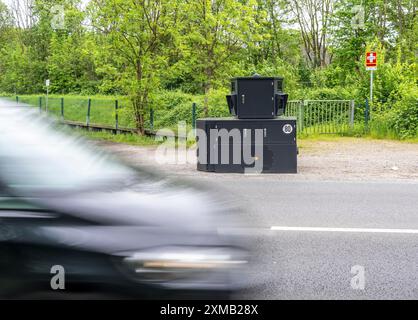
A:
(188, 267)
(181, 258)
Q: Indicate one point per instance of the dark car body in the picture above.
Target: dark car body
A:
(114, 229)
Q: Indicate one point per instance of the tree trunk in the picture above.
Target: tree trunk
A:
(140, 125)
(139, 101)
(138, 105)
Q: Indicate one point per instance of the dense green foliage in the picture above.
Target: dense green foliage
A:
(166, 54)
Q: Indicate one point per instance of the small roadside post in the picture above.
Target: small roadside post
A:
(88, 113)
(352, 107)
(301, 107)
(371, 65)
(47, 83)
(116, 116)
(62, 109)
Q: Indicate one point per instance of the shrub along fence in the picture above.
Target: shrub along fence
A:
(313, 116)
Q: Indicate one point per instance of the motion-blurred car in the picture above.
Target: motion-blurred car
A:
(116, 230)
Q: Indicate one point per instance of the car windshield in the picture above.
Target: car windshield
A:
(34, 156)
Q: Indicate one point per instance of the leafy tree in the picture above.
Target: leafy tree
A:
(215, 32)
(313, 18)
(135, 33)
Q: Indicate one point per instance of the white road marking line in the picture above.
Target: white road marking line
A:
(354, 230)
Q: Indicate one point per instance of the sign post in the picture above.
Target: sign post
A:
(47, 83)
(371, 85)
(371, 65)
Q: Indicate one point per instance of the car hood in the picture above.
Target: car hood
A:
(153, 203)
(155, 213)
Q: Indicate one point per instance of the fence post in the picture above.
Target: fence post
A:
(301, 115)
(116, 115)
(40, 104)
(305, 108)
(17, 99)
(88, 113)
(62, 109)
(194, 116)
(366, 114)
(151, 118)
(352, 114)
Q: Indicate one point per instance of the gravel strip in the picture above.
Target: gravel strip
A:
(334, 160)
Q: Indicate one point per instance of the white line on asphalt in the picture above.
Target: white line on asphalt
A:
(358, 230)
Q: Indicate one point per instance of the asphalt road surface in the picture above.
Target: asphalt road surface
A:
(371, 225)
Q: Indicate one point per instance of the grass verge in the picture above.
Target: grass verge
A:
(128, 138)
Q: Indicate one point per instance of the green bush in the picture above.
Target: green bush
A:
(174, 106)
(403, 117)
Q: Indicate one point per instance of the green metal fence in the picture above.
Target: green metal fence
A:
(322, 116)
(97, 111)
(313, 116)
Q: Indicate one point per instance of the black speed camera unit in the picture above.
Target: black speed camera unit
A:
(257, 128)
(257, 97)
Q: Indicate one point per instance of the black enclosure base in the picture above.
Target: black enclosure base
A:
(277, 152)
